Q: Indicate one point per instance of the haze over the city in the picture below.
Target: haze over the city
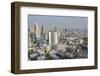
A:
(58, 21)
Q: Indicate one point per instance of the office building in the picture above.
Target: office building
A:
(53, 38)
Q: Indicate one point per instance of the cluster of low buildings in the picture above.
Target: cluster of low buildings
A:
(56, 43)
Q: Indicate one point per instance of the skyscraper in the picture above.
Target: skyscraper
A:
(53, 38)
(42, 32)
(37, 32)
(50, 38)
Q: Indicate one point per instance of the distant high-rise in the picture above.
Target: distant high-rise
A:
(37, 32)
(36, 27)
(56, 29)
(53, 38)
(42, 29)
(42, 32)
(29, 39)
(46, 37)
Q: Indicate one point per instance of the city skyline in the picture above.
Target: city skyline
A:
(58, 21)
(50, 37)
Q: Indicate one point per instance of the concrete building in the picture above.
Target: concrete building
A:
(37, 32)
(53, 38)
(61, 47)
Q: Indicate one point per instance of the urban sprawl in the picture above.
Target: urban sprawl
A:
(45, 43)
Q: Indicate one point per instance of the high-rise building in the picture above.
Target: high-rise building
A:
(50, 38)
(29, 38)
(42, 32)
(37, 32)
(53, 38)
(46, 37)
(36, 28)
(55, 29)
(42, 29)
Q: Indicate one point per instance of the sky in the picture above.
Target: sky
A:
(58, 21)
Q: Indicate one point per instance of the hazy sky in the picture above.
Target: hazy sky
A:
(58, 21)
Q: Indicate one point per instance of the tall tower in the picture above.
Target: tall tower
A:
(42, 32)
(53, 38)
(50, 38)
(29, 38)
(37, 32)
(36, 27)
(42, 29)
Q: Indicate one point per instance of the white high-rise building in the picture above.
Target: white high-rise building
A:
(50, 38)
(53, 38)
